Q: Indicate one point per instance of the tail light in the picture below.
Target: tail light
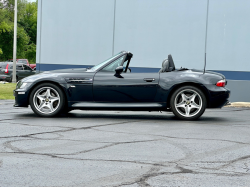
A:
(221, 83)
(6, 70)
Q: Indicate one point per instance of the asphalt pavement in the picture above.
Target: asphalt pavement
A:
(112, 148)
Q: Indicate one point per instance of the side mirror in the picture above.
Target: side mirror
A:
(119, 70)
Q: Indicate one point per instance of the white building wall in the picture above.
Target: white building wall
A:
(75, 32)
(80, 33)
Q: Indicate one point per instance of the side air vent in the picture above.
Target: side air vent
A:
(79, 80)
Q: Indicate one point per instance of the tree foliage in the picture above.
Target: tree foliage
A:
(26, 30)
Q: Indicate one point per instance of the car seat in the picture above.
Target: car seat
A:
(167, 65)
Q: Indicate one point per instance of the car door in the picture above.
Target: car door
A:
(20, 71)
(27, 71)
(126, 87)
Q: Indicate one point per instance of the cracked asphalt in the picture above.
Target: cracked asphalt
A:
(112, 148)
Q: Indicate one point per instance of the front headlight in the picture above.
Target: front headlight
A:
(21, 85)
(18, 84)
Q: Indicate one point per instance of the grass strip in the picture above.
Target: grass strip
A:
(6, 91)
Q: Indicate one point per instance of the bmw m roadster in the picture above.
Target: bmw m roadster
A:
(111, 85)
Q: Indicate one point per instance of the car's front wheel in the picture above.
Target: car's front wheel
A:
(188, 103)
(47, 100)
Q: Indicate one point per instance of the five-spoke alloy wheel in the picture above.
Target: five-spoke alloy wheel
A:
(47, 100)
(188, 103)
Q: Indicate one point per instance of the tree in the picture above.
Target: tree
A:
(26, 30)
(29, 21)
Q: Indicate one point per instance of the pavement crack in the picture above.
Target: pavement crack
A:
(234, 161)
(8, 144)
(247, 167)
(82, 159)
(107, 146)
(174, 137)
(37, 125)
(66, 130)
(142, 181)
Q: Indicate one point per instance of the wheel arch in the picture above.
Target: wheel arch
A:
(51, 82)
(197, 85)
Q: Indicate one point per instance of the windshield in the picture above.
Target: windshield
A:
(103, 63)
(2, 65)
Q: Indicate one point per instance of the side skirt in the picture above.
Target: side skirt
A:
(120, 106)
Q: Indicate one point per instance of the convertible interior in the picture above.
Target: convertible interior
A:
(167, 65)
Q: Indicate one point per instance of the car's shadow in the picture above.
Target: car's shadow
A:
(127, 116)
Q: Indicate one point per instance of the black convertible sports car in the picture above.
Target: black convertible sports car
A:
(112, 86)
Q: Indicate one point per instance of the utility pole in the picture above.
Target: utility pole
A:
(14, 45)
(205, 64)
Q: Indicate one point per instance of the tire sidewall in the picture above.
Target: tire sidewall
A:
(10, 80)
(61, 95)
(203, 97)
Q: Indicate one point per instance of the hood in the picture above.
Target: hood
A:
(55, 74)
(36, 77)
(76, 70)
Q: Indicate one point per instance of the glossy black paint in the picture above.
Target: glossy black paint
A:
(100, 90)
(128, 87)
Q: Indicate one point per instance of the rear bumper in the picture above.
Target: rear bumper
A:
(220, 98)
(21, 98)
(6, 78)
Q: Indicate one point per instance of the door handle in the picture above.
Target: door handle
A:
(149, 79)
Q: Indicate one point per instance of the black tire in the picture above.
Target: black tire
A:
(10, 81)
(190, 108)
(54, 89)
(66, 110)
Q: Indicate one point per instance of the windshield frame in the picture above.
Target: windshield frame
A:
(108, 61)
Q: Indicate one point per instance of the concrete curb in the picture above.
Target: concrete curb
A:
(239, 104)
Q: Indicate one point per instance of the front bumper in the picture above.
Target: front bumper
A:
(21, 98)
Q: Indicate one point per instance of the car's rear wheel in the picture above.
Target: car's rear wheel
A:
(188, 103)
(47, 100)
(10, 80)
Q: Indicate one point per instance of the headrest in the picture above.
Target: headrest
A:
(165, 66)
(171, 62)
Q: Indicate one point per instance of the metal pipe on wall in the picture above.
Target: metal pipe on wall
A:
(205, 64)
(15, 44)
(114, 29)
